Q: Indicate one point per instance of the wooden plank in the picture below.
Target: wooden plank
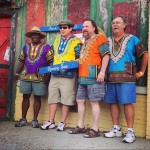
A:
(78, 10)
(125, 9)
(56, 11)
(35, 14)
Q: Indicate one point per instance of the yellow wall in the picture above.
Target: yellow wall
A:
(105, 119)
(148, 87)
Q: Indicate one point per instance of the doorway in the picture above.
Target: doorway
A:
(5, 28)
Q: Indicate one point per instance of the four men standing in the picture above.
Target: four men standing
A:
(93, 60)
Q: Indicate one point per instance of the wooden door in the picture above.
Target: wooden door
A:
(5, 27)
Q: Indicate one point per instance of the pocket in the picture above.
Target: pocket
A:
(93, 71)
(130, 68)
(99, 90)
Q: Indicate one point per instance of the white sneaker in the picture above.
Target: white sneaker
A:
(47, 125)
(61, 126)
(129, 138)
(114, 132)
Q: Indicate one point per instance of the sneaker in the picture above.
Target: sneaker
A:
(22, 122)
(61, 126)
(47, 125)
(129, 138)
(114, 132)
(35, 124)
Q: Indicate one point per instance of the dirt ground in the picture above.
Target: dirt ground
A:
(28, 138)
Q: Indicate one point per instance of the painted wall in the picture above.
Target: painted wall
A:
(105, 118)
(101, 11)
(148, 86)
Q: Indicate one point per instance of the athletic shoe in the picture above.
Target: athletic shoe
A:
(47, 125)
(61, 126)
(114, 132)
(34, 124)
(22, 122)
(129, 138)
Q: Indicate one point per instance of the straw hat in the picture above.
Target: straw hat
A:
(33, 31)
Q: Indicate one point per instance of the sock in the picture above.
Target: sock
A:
(116, 126)
(130, 129)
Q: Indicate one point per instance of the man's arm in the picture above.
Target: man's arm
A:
(105, 61)
(19, 69)
(143, 65)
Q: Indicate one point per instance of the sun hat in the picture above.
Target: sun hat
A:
(33, 31)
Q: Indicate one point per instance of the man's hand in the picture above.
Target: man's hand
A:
(16, 77)
(139, 74)
(46, 78)
(101, 77)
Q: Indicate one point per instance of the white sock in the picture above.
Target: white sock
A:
(130, 129)
(116, 126)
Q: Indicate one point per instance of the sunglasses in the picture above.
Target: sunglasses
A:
(63, 27)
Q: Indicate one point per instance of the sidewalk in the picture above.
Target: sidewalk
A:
(12, 138)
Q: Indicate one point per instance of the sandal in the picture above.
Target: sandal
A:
(91, 134)
(77, 130)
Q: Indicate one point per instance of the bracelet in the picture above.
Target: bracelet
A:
(17, 74)
(102, 73)
(141, 73)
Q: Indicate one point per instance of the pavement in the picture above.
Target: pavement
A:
(28, 138)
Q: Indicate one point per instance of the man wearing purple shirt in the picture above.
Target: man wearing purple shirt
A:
(34, 55)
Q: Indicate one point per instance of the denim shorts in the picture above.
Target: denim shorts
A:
(93, 92)
(120, 93)
(36, 88)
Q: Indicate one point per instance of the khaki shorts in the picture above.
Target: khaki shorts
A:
(62, 90)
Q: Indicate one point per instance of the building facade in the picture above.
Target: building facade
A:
(23, 14)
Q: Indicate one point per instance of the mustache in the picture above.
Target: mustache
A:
(84, 31)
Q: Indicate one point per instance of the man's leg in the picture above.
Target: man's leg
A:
(65, 112)
(129, 114)
(36, 106)
(62, 123)
(81, 112)
(115, 112)
(95, 112)
(52, 112)
(116, 130)
(25, 105)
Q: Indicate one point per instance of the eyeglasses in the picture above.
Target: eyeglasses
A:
(117, 23)
(63, 27)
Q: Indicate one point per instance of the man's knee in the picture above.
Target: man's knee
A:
(37, 97)
(26, 96)
(80, 101)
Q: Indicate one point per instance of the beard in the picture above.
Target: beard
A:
(86, 35)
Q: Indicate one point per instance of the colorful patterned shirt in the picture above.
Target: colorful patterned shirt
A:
(90, 61)
(122, 65)
(66, 50)
(36, 57)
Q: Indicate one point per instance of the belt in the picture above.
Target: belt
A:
(32, 77)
